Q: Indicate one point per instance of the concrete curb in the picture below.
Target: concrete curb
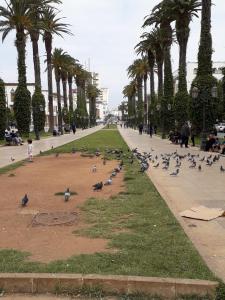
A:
(168, 288)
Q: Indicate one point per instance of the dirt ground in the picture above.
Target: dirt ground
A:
(41, 180)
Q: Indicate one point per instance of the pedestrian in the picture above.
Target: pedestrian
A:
(193, 134)
(185, 133)
(155, 129)
(74, 129)
(140, 127)
(150, 130)
(30, 150)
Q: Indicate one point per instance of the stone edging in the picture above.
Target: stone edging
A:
(168, 288)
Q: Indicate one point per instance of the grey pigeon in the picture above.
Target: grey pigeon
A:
(222, 169)
(98, 186)
(175, 173)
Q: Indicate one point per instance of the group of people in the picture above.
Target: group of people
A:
(12, 137)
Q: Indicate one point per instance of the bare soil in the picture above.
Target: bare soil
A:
(41, 180)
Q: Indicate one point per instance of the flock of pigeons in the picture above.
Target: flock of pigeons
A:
(194, 161)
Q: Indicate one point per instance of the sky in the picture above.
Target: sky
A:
(105, 32)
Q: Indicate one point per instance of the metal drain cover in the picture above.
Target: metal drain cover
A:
(55, 218)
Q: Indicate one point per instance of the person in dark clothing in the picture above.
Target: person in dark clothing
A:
(210, 142)
(193, 134)
(74, 129)
(185, 133)
(155, 129)
(150, 130)
(140, 127)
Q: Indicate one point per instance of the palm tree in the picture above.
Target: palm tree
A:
(82, 77)
(138, 71)
(59, 58)
(16, 16)
(92, 94)
(51, 25)
(129, 91)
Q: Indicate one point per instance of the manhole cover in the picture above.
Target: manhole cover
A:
(55, 218)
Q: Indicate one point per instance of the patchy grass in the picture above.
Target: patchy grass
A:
(138, 224)
(12, 167)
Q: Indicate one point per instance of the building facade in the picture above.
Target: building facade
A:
(192, 68)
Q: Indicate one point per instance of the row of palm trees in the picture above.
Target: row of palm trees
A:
(35, 19)
(162, 108)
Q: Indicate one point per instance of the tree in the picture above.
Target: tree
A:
(183, 13)
(3, 113)
(51, 25)
(92, 94)
(129, 91)
(82, 77)
(38, 100)
(204, 102)
(16, 16)
(138, 71)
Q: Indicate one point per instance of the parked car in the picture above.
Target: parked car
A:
(221, 127)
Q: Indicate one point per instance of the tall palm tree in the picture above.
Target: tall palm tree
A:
(138, 71)
(82, 78)
(92, 94)
(59, 58)
(51, 25)
(129, 91)
(16, 16)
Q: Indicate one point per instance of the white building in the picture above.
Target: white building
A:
(192, 68)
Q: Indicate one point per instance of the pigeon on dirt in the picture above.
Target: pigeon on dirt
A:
(67, 195)
(57, 155)
(199, 167)
(73, 150)
(94, 169)
(222, 169)
(24, 201)
(114, 174)
(98, 186)
(156, 166)
(108, 181)
(12, 159)
(175, 173)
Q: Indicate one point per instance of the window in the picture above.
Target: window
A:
(195, 70)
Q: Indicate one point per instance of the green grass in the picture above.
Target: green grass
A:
(110, 126)
(137, 222)
(12, 167)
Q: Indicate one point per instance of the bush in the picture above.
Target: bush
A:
(3, 114)
(22, 108)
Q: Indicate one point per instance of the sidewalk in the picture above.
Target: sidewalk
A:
(20, 152)
(190, 188)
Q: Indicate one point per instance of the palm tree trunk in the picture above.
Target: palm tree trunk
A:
(145, 100)
(152, 83)
(22, 101)
(70, 84)
(48, 47)
(160, 79)
(59, 104)
(65, 97)
(36, 60)
(140, 101)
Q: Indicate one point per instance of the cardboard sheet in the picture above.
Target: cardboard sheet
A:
(202, 213)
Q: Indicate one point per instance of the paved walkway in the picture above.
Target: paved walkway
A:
(190, 188)
(20, 152)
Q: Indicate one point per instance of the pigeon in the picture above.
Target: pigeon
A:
(94, 169)
(209, 163)
(156, 166)
(98, 186)
(52, 147)
(24, 201)
(222, 169)
(57, 155)
(199, 167)
(114, 174)
(175, 173)
(12, 159)
(108, 181)
(104, 161)
(73, 150)
(202, 159)
(67, 195)
(97, 153)
(193, 165)
(41, 152)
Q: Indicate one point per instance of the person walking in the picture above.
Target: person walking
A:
(150, 130)
(193, 134)
(74, 129)
(140, 127)
(30, 150)
(185, 133)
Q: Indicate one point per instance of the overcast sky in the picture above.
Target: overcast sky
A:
(106, 31)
